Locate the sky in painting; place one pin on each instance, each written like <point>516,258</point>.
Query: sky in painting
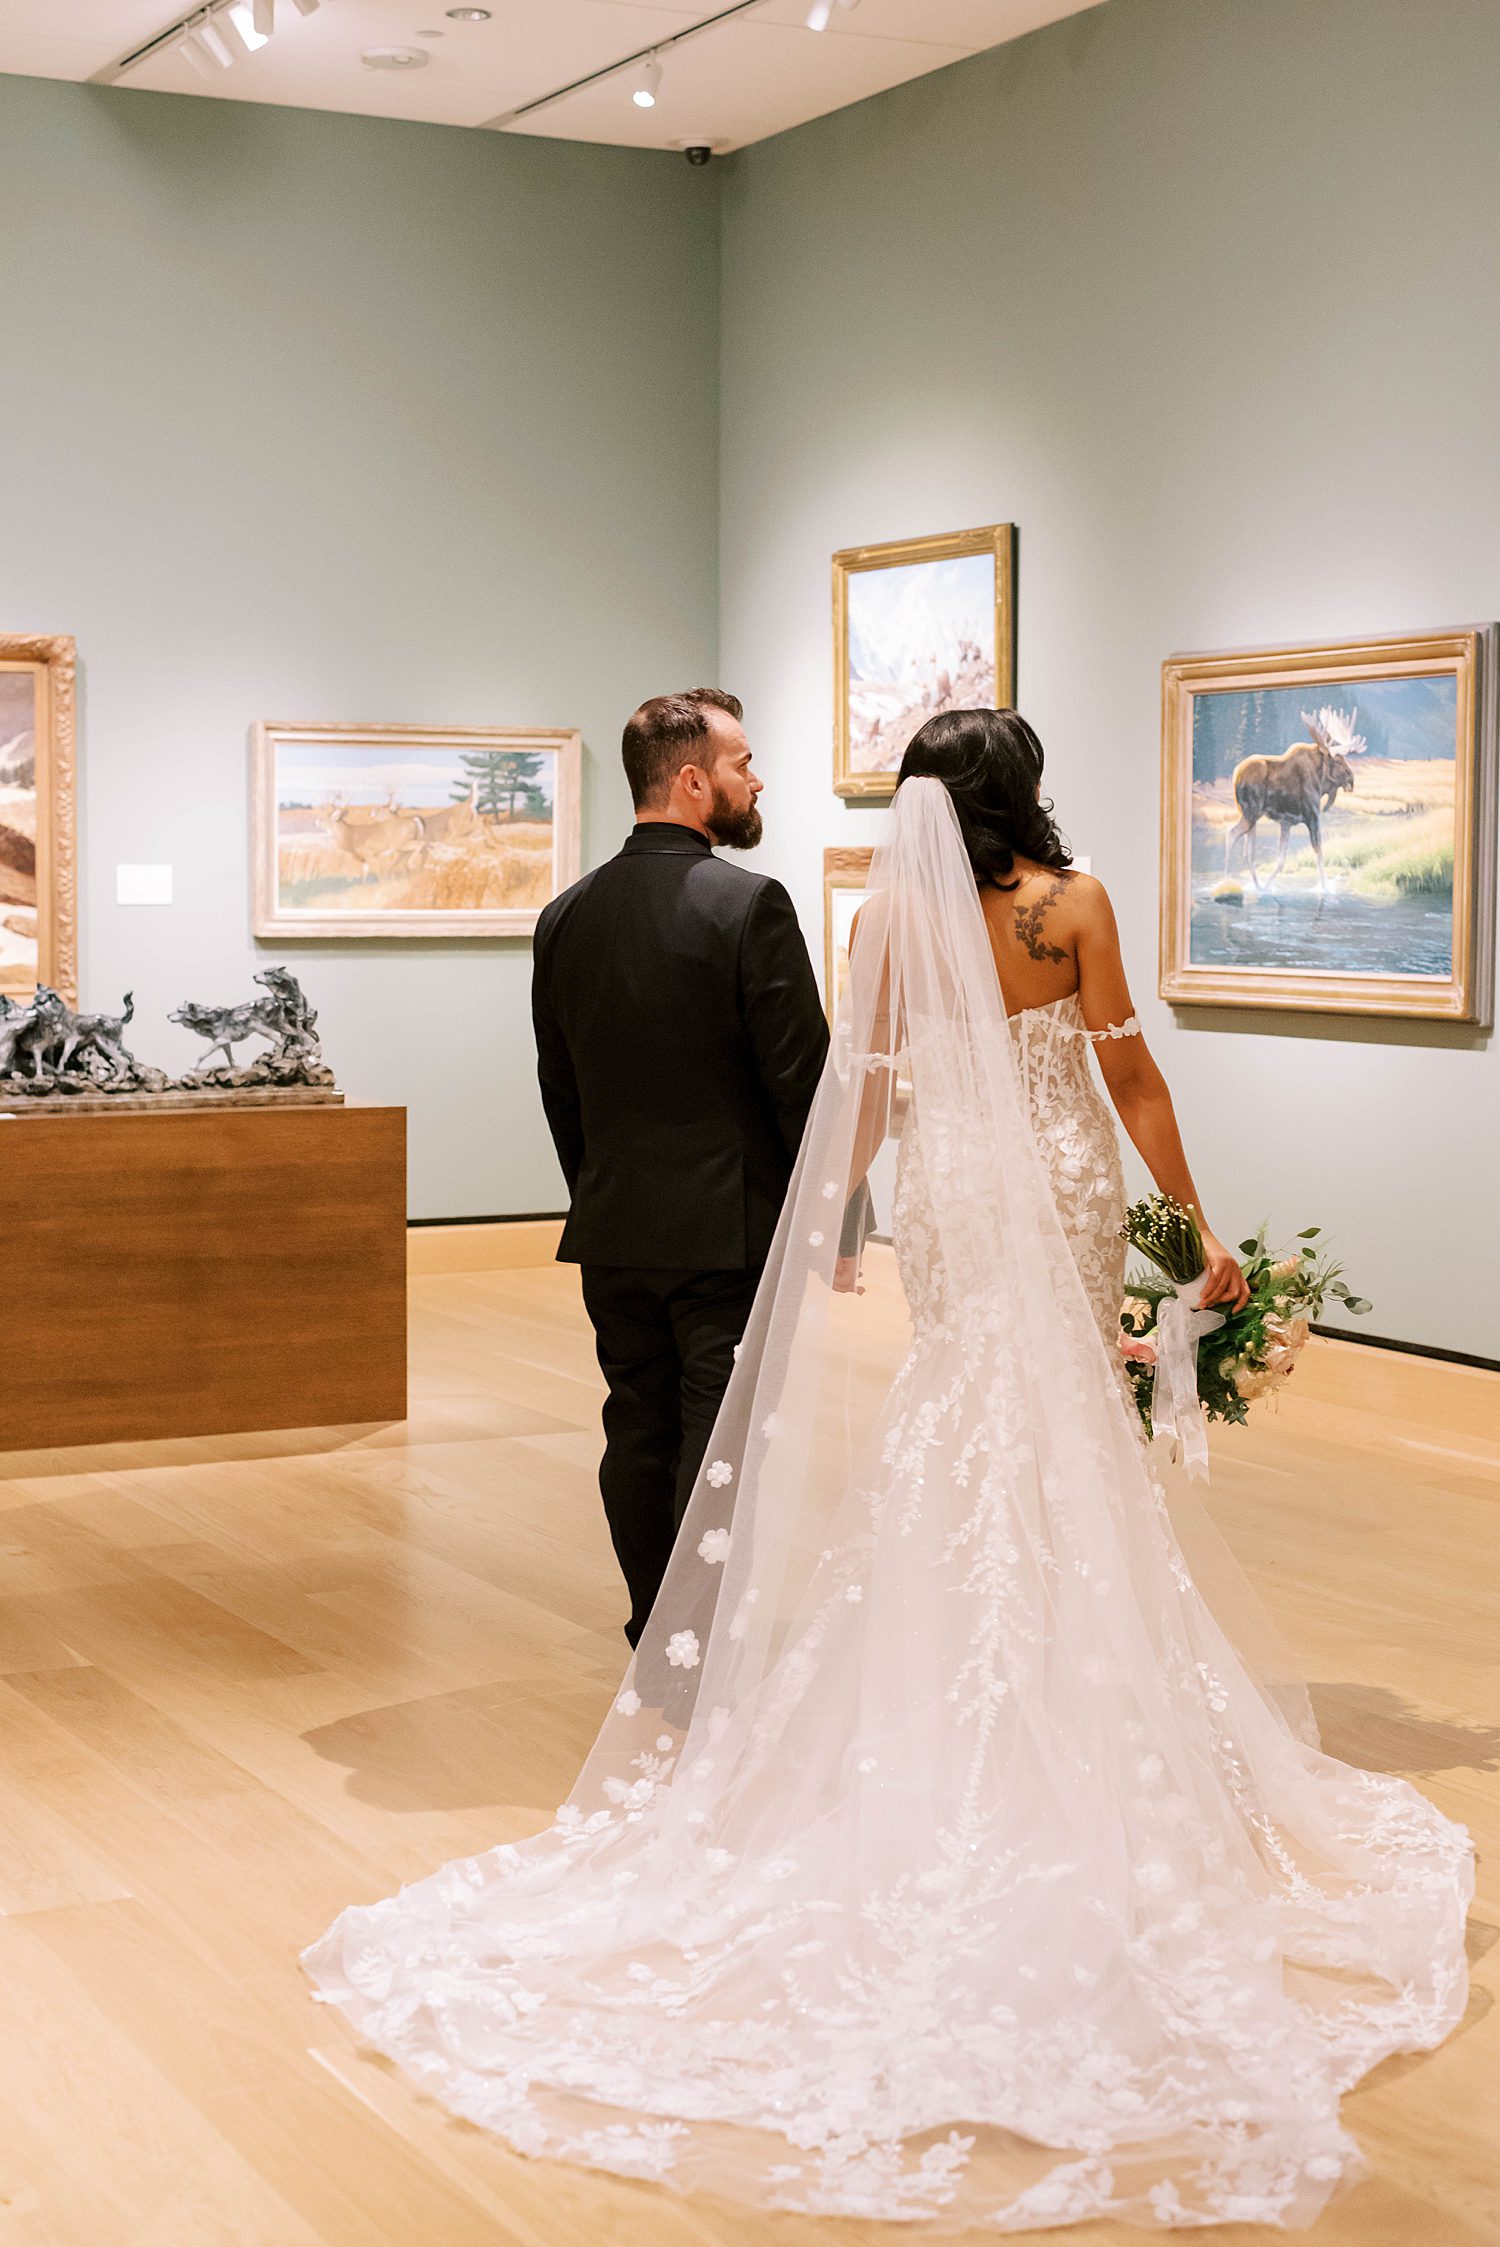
<point>17,710</point>
<point>900,619</point>
<point>1400,718</point>
<point>360,772</point>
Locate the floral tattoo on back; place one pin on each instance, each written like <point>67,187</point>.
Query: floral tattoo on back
<point>1029,919</point>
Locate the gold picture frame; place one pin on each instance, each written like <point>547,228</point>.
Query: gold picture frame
<point>398,850</point>
<point>846,875</point>
<point>38,815</point>
<point>1381,808</point>
<point>934,661</point>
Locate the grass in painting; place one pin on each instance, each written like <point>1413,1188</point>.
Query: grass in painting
<point>1392,837</point>
<point>502,866</point>
<point>1388,850</point>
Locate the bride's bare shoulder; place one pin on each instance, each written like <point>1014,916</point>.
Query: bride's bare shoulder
<point>1089,919</point>
<point>1062,892</point>
<point>1085,894</point>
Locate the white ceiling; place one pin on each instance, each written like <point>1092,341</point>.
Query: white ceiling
<point>737,82</point>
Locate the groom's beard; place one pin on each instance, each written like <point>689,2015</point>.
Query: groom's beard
<point>734,830</point>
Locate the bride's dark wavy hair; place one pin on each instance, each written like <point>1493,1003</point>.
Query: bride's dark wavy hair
<point>990,762</point>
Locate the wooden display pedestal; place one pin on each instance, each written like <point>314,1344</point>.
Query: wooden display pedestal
<point>201,1272</point>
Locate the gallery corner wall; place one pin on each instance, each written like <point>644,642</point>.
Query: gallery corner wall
<point>318,417</point>
<point>1204,295</point>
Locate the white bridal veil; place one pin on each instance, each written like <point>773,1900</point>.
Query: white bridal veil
<point>943,1858</point>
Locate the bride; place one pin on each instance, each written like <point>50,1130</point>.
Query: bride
<point>954,1852</point>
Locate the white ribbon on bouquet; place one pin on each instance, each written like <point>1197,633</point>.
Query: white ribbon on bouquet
<point>1176,1408</point>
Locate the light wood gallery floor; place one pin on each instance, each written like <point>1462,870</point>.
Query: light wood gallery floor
<point>245,1682</point>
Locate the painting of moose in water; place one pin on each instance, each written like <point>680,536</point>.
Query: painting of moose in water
<point>411,831</point>
<point>1325,838</point>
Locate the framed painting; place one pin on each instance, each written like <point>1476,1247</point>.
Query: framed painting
<point>38,851</point>
<point>411,831</point>
<point>924,625</point>
<point>845,876</point>
<point>1328,827</point>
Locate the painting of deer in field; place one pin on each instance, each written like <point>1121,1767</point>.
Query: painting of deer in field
<point>409,831</point>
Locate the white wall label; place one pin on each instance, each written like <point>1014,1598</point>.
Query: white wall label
<point>143,885</point>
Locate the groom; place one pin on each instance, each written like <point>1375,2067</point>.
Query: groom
<point>680,1040</point>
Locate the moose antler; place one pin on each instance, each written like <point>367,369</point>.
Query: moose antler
<point>1332,730</point>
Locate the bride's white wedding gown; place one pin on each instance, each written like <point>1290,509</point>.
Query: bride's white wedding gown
<point>941,1859</point>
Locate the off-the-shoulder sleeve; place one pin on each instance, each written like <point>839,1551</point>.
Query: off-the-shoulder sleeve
<point>1130,1028</point>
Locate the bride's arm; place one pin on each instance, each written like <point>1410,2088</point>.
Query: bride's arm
<point>870,1127</point>
<point>1135,1083</point>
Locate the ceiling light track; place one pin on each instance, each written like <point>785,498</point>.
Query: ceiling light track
<point>651,55</point>
<point>225,30</point>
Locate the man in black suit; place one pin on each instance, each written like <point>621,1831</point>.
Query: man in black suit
<point>680,1040</point>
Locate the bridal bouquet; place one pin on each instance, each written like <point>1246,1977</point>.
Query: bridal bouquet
<point>1241,1355</point>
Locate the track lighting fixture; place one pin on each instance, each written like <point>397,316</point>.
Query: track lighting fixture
<point>228,23</point>
<point>306,7</point>
<point>213,38</point>
<point>263,14</point>
<point>646,85</point>
<point>820,13</point>
<point>244,19</point>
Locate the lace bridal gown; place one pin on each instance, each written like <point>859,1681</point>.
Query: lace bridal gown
<point>941,1859</point>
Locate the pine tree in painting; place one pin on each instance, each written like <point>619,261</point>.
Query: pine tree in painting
<point>498,777</point>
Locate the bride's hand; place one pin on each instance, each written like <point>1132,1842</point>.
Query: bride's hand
<point>1224,1283</point>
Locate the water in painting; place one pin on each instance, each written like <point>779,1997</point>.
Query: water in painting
<point>385,827</point>
<point>1323,827</point>
<point>921,640</point>
<point>18,813</point>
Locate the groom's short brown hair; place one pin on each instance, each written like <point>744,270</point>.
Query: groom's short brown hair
<point>661,737</point>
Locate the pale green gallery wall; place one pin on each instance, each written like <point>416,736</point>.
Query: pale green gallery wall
<point>325,417</point>
<point>1205,296</point>
<point>321,417</point>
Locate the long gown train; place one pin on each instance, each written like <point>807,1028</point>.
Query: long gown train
<point>942,1859</point>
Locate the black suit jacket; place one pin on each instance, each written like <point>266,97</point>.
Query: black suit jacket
<point>680,1040</point>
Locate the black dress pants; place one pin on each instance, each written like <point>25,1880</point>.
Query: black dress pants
<point>666,1344</point>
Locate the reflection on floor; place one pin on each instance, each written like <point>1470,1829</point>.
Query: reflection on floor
<point>245,1682</point>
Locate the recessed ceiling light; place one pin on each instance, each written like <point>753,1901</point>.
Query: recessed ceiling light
<point>429,35</point>
<point>469,15</point>
<point>395,58</point>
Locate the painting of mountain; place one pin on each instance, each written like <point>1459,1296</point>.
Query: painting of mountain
<point>18,831</point>
<point>920,627</point>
